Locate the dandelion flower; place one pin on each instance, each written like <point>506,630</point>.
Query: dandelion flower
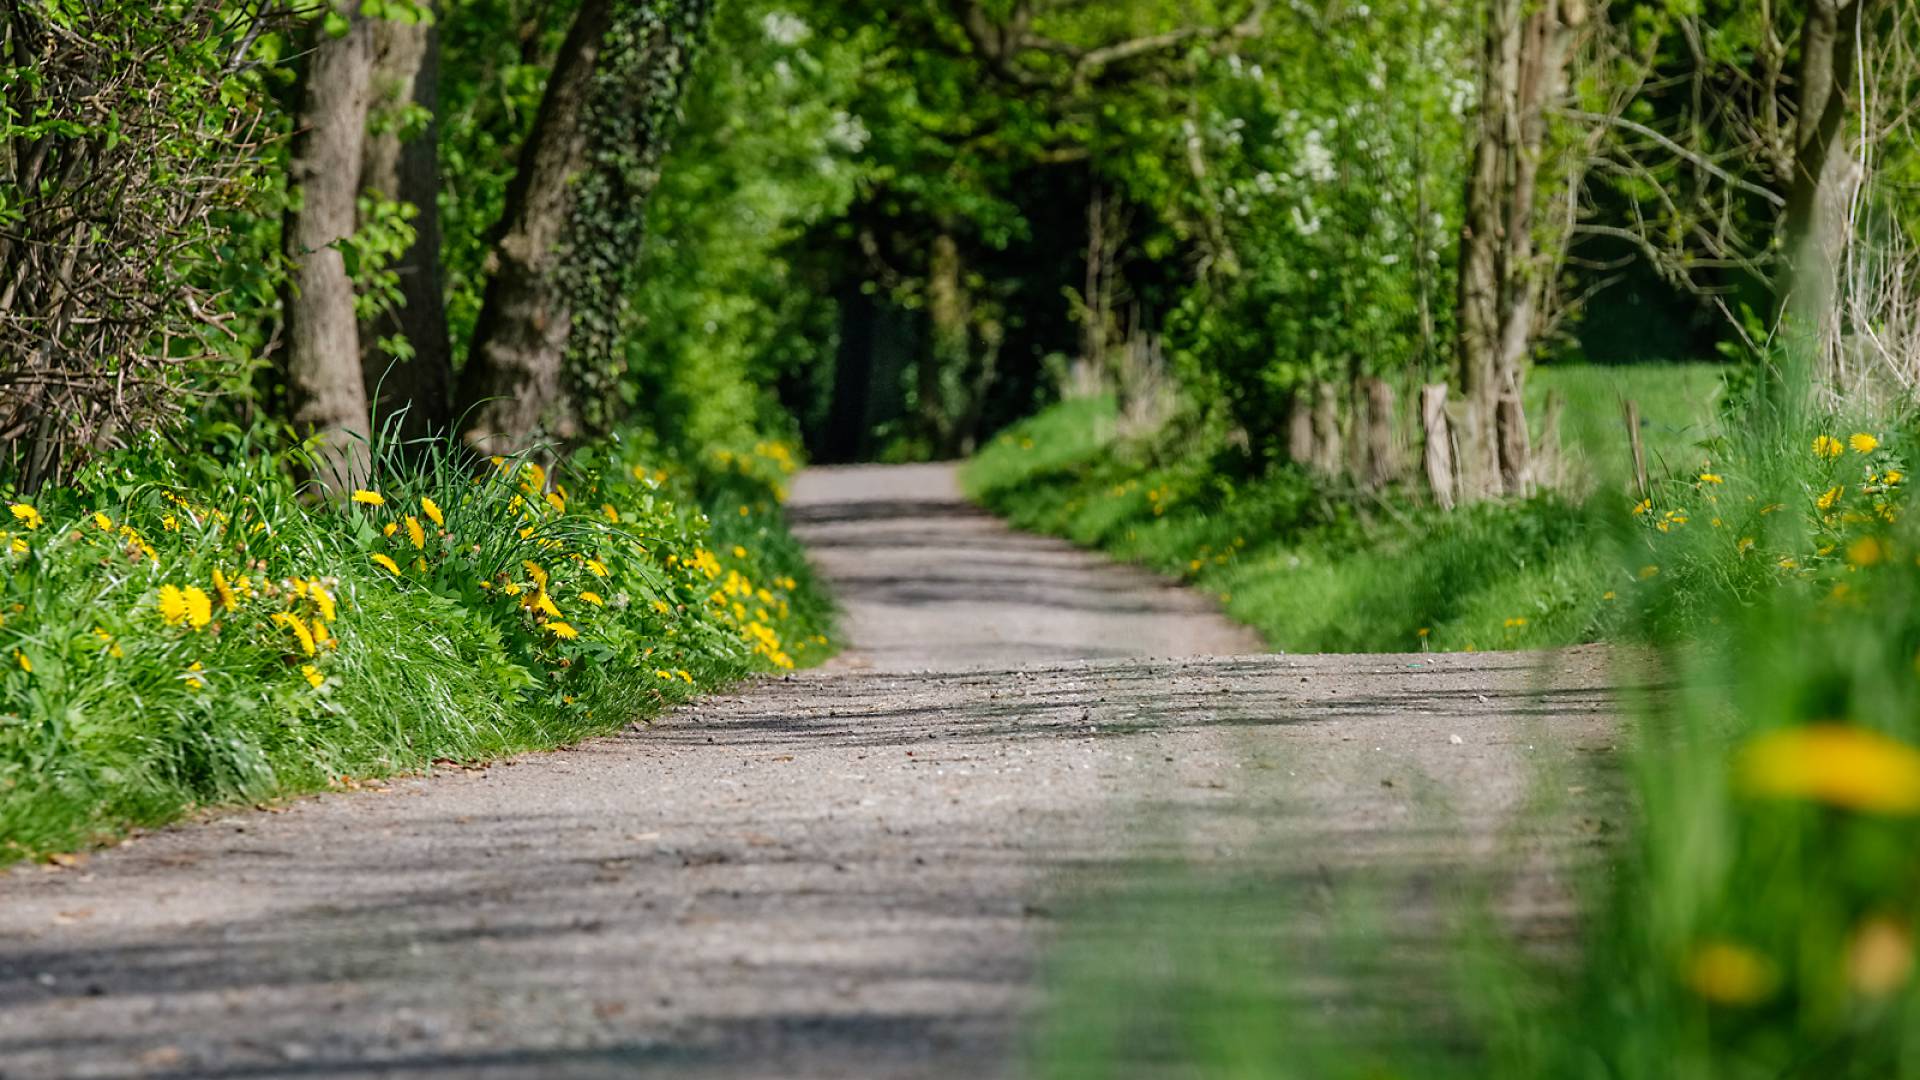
<point>544,604</point>
<point>1643,506</point>
<point>1826,446</point>
<point>1893,476</point>
<point>415,533</point>
<point>192,682</point>
<point>27,515</point>
<point>102,522</point>
<point>20,658</point>
<point>534,572</point>
<point>613,516</point>
<point>199,606</point>
<point>299,627</point>
<point>1711,478</point>
<point>1729,974</point>
<point>313,676</point>
<point>562,631</point>
<point>1837,764</point>
<point>222,590</point>
<point>593,598</point>
<point>173,605</point>
<point>322,600</point>
<point>1830,497</point>
<point>1863,443</point>
<point>557,501</point>
<point>386,563</point>
<point>369,498</point>
<point>389,529</point>
<point>432,510</point>
<point>599,568</point>
<point>1865,551</point>
<point>662,673</point>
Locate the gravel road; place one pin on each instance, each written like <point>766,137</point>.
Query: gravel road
<point>851,872</point>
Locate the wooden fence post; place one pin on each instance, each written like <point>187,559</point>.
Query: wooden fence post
<point>1438,440</point>
<point>1632,410</point>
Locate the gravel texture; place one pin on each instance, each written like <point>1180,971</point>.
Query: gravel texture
<point>848,872</point>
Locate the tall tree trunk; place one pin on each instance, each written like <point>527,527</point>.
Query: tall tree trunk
<point>575,218</point>
<point>510,390</point>
<point>1502,274</point>
<point>323,346</point>
<point>406,73</point>
<point>949,352</point>
<point>1812,223</point>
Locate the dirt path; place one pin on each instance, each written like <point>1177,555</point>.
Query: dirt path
<point>845,873</point>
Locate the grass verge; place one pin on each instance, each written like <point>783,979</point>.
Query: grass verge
<point>179,632</point>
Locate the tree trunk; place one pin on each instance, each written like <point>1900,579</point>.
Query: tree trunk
<point>1382,457</point>
<point>1327,450</point>
<point>1300,426</point>
<point>510,391</point>
<point>949,351</point>
<point>326,397</point>
<point>1813,221</point>
<point>1502,275</point>
<point>406,66</point>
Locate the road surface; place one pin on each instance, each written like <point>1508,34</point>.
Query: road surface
<point>851,872</point>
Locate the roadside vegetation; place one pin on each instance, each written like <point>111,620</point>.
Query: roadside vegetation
<point>189,633</point>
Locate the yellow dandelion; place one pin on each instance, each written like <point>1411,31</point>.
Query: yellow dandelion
<point>1744,545</point>
<point>544,603</point>
<point>1711,478</point>
<point>562,631</point>
<point>1643,506</point>
<point>322,600</point>
<point>557,501</point>
<point>599,568</point>
<point>1865,551</point>
<point>739,552</point>
<point>102,522</point>
<point>1893,476</point>
<point>1863,443</point>
<point>534,572</point>
<point>1829,497</point>
<point>1726,973</point>
<point>193,683</point>
<point>369,498</point>
<point>313,676</point>
<point>1827,446</point>
<point>663,607</point>
<point>299,627</point>
<point>1837,764</point>
<point>27,515</point>
<point>662,673</point>
<point>199,606</point>
<point>173,605</point>
<point>386,563</point>
<point>415,533</point>
<point>593,598</point>
<point>20,658</point>
<point>222,590</point>
<point>432,510</point>
<point>613,516</point>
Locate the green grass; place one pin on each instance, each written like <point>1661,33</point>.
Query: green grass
<point>1679,408</point>
<point>1755,918</point>
<point>181,631</point>
<point>1320,570</point>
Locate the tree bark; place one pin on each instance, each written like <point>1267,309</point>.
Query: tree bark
<point>326,397</point>
<point>1437,446</point>
<point>510,391</point>
<point>1502,274</point>
<point>406,65</point>
<point>949,352</point>
<point>1812,222</point>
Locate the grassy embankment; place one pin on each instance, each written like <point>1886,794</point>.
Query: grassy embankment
<point>1317,570</point>
<point>186,632</point>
